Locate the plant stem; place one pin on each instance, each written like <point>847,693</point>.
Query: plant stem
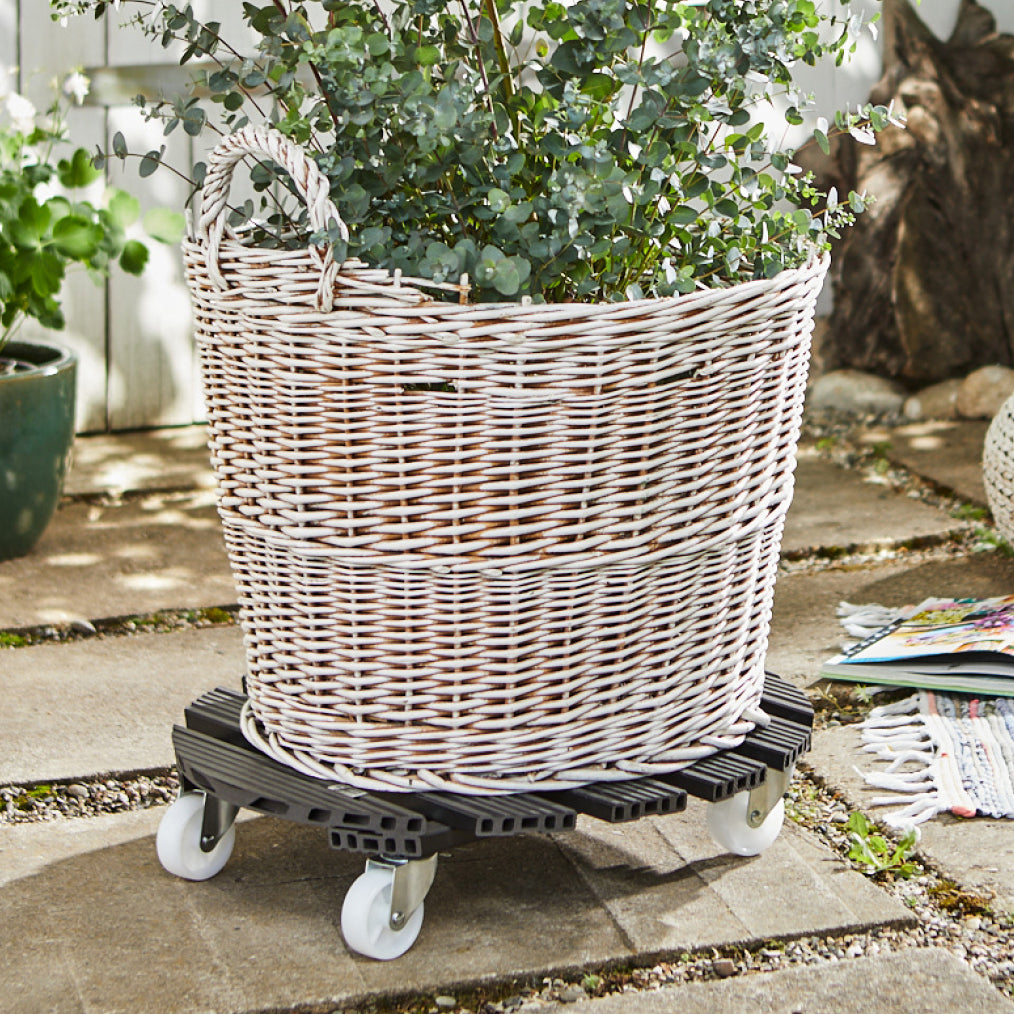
<point>480,65</point>
<point>505,68</point>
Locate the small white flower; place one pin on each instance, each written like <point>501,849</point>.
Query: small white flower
<point>21,112</point>
<point>76,85</point>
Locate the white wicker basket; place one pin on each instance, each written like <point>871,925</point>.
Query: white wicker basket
<point>998,469</point>
<point>492,547</point>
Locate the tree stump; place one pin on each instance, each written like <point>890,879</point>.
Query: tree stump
<point>924,283</point>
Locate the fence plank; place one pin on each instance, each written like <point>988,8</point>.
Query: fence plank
<point>151,353</point>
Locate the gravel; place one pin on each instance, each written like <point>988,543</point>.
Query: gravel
<point>20,804</point>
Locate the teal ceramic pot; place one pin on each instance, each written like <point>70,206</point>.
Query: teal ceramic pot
<point>36,434</point>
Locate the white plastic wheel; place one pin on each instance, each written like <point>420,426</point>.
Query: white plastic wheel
<point>178,841</point>
<point>365,918</point>
<point>727,822</point>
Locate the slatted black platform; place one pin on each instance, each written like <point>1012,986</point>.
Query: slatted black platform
<point>213,755</point>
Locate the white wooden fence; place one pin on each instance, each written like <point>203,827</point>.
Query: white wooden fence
<point>133,334</point>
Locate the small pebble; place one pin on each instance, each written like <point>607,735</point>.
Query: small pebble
<point>571,994</point>
<point>723,967</point>
<point>445,1002</point>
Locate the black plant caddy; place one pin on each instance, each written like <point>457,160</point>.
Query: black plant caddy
<point>402,832</point>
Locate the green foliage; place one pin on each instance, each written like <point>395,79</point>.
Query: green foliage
<point>875,853</point>
<point>969,512</point>
<point>600,149</point>
<point>988,540</point>
<point>42,233</point>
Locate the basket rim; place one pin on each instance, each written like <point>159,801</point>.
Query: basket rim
<point>232,247</point>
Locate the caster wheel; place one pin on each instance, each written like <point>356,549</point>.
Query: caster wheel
<point>365,914</point>
<point>727,822</point>
<point>178,841</point>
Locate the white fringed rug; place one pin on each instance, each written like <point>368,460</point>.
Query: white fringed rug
<point>943,752</point>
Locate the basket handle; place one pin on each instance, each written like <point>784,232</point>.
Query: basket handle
<point>312,185</point>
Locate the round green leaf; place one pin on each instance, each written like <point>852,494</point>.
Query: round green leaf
<point>134,257</point>
<point>76,237</point>
<point>164,225</point>
<point>124,207</point>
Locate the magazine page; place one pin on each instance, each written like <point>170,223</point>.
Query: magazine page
<point>943,627</point>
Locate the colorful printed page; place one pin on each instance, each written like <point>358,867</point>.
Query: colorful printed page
<point>942,627</point>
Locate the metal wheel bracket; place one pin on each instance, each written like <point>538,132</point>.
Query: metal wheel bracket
<point>217,818</point>
<point>764,797</point>
<point>412,879</point>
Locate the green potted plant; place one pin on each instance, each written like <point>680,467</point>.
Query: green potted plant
<point>45,230</point>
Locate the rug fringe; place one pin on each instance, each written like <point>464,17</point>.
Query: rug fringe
<point>942,753</point>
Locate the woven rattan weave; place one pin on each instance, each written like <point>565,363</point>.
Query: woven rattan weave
<point>492,547</point>
<point>998,469</point>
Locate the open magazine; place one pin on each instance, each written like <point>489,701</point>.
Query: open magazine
<point>955,645</point>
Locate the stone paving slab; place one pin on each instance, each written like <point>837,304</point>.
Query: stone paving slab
<point>172,458</point>
<point>106,704</point>
<point>977,853</point>
<point>929,981</point>
<point>669,887</point>
<point>947,451</point>
<point>833,507</point>
<point>265,934</point>
<point>160,551</point>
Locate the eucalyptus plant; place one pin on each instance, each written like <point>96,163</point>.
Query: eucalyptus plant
<point>597,149</point>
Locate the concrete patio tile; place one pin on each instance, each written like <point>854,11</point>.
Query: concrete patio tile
<point>947,451</point>
<point>133,939</point>
<point>499,908</point>
<point>835,507</point>
<point>265,933</point>
<point>976,853</point>
<point>170,458</point>
<point>928,981</point>
<point>795,887</point>
<point>88,898</point>
<point>160,551</point>
<point>668,886</point>
<point>106,704</point>
<point>658,900</point>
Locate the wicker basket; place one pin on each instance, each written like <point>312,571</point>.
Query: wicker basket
<point>488,547</point>
<point>998,469</point>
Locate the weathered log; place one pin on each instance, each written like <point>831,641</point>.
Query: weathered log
<point>924,284</point>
